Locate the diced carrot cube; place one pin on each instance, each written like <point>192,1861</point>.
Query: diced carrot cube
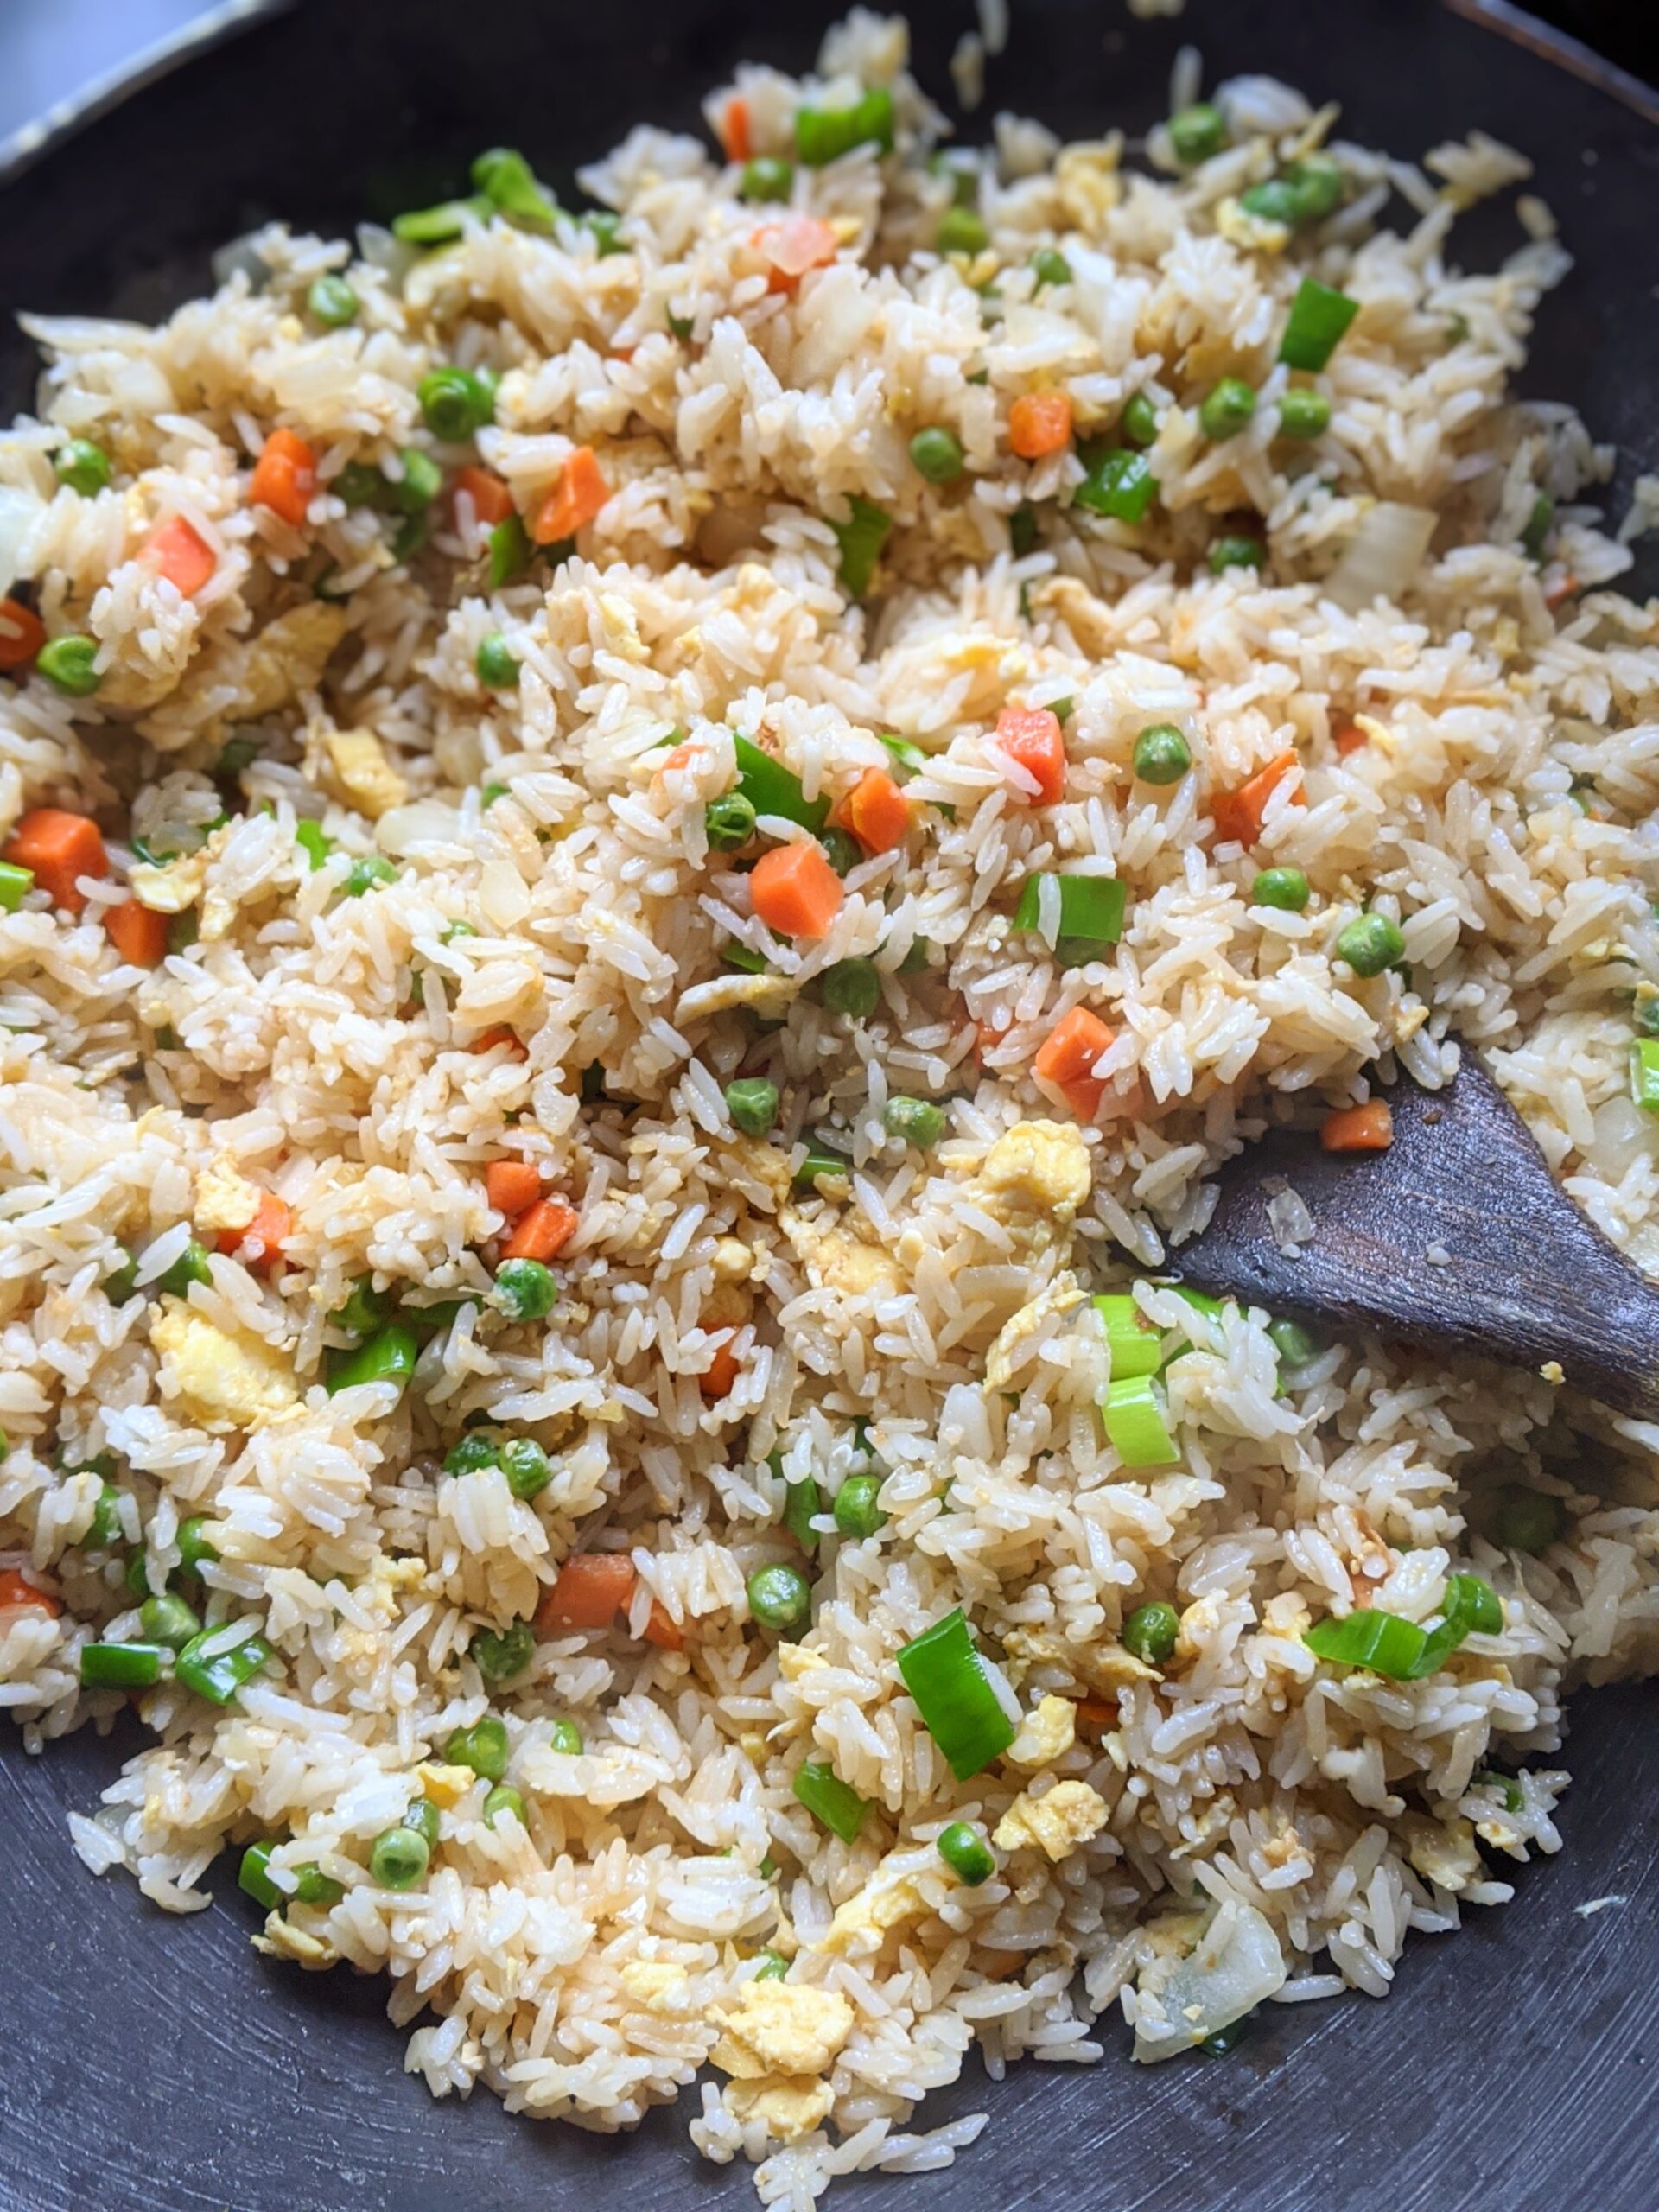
<point>1039,422</point>
<point>16,1590</point>
<point>574,501</point>
<point>180,553</point>
<point>1348,737</point>
<point>876,812</point>
<point>592,1589</point>
<point>1369,1128</point>
<point>260,1244</point>
<point>61,848</point>
<point>735,130</point>
<point>21,633</point>
<point>284,476</point>
<point>720,1373</point>
<point>542,1232</point>
<point>487,1040</point>
<point>1239,815</point>
<point>794,890</point>
<point>1066,1058</point>
<point>1032,737</point>
<point>491,501</point>
<point>794,245</point>
<point>662,1630</point>
<point>136,934</point>
<point>512,1185</point>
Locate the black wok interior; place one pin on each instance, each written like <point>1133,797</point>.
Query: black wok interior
<point>155,2064</point>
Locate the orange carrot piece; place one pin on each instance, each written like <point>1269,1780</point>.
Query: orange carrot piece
<point>181,554</point>
<point>1095,1715</point>
<point>260,1244</point>
<point>1066,1058</point>
<point>1032,737</point>
<point>794,890</point>
<point>680,756</point>
<point>1369,1128</point>
<point>136,934</point>
<point>734,131</point>
<point>487,1040</point>
<point>512,1185</point>
<point>1557,596</point>
<point>491,501</point>
<point>662,1630</point>
<point>592,1589</point>
<point>21,633</point>
<point>1348,737</point>
<point>876,812</point>
<point>1238,815</point>
<point>792,246</point>
<point>60,848</point>
<point>721,1372</point>
<point>540,1231</point>
<point>1039,422</point>
<point>574,501</point>
<point>284,476</point>
<point>15,1590</point>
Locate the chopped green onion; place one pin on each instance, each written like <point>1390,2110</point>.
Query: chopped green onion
<point>1162,755</point>
<point>16,883</point>
<point>822,1160</point>
<point>1506,1785</point>
<point>1318,319</point>
<point>1232,551</point>
<point>510,551</point>
<point>218,1677</point>
<point>740,956</point>
<point>1151,1631</point>
<point>565,1738</point>
<point>1091,907</point>
<point>252,1879</point>
<point>1304,414</point>
<point>1136,1346</point>
<point>966,1853</point>
<point>936,454</point>
<point>1050,266</point>
<point>1537,526</point>
<point>752,1101</point>
<point>773,1967</point>
<point>829,1799</point>
<point>802,1500</point>
<point>1121,485</point>
<point>483,1747</point>
<point>168,1619</point>
<point>1135,1424</point>
<point>824,134</point>
<point>365,1308</point>
<point>962,230</point>
<point>916,1121</point>
<point>368,874</point>
<point>857,1514</point>
<point>908,759</point>
<point>1287,888</point>
<point>438,226</point>
<point>1195,132</point>
<point>1227,409</point>
<point>604,226</point>
<point>399,1857</point>
<point>770,788</point>
<point>765,178</point>
<point>500,1654</point>
<point>121,1666</point>
<point>943,1671</point>
<point>1390,1645</point>
<point>860,538</point>
<point>1369,944</point>
<point>1295,1344</point>
<point>331,302</point>
<point>82,466</point>
<point>850,986</point>
<point>388,1355</point>
<point>314,842</point>
<point>422,1814</point>
<point>196,1548</point>
<point>525,1290</point>
<point>509,182</point>
<point>728,823</point>
<point>779,1596</point>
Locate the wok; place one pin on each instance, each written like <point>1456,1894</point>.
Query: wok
<point>155,2064</point>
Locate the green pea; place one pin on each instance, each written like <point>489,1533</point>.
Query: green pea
<point>525,1290</point>
<point>918,1121</point>
<point>1162,755</point>
<point>483,1747</point>
<point>500,1654</point>
<point>399,1857</point>
<point>70,663</point>
<point>852,987</point>
<point>966,1853</point>
<point>1235,552</point>
<point>1304,414</point>
<point>1227,409</point>
<point>1295,1344</point>
<point>503,1798</point>
<point>368,873</point>
<point>842,849</point>
<point>496,663</point>
<point>728,821</point>
<point>332,302</point>
<point>937,455</point>
<point>480,1448</point>
<point>456,403</point>
<point>1528,1520</point>
<point>191,1266</point>
<point>313,1886</point>
<point>420,483</point>
<point>1196,133</point>
<point>566,1738</point>
<point>1285,888</point>
<point>961,230</point>
<point>765,178</point>
<point>1138,424</point>
<point>1150,1631</point>
<point>752,1101</point>
<point>360,485</point>
<point>168,1620</point>
<point>82,466</point>
<point>779,1596</point>
<point>122,1282</point>
<point>1369,944</point>
<point>1050,266</point>
<point>857,1514</point>
<point>527,1467</point>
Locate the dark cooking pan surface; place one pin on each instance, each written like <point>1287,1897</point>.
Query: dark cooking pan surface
<point>155,2064</point>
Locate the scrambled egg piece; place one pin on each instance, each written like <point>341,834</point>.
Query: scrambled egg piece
<point>361,774</point>
<point>889,1897</point>
<point>732,1260</point>
<point>790,2109</point>
<point>168,887</point>
<point>795,1660</point>
<point>444,1784</point>
<point>282,1939</point>
<point>1253,233</point>
<point>1045,1733</point>
<point>224,1381</point>
<point>765,993</point>
<point>1061,1295</point>
<point>225,1198</point>
<point>1056,1824</point>
<point>1089,620</point>
<point>1443,1851</point>
<point>781,2027</point>
<point>653,1983</point>
<point>1035,1168</point>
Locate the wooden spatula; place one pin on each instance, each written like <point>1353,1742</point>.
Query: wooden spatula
<point>1520,1274</point>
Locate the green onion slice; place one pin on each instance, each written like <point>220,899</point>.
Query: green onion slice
<point>824,134</point>
<point>801,1501</point>
<point>218,1677</point>
<point>943,1671</point>
<point>1135,1344</point>
<point>1136,1425</point>
<point>1390,1645</point>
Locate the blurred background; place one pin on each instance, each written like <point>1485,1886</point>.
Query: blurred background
<point>53,50</point>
